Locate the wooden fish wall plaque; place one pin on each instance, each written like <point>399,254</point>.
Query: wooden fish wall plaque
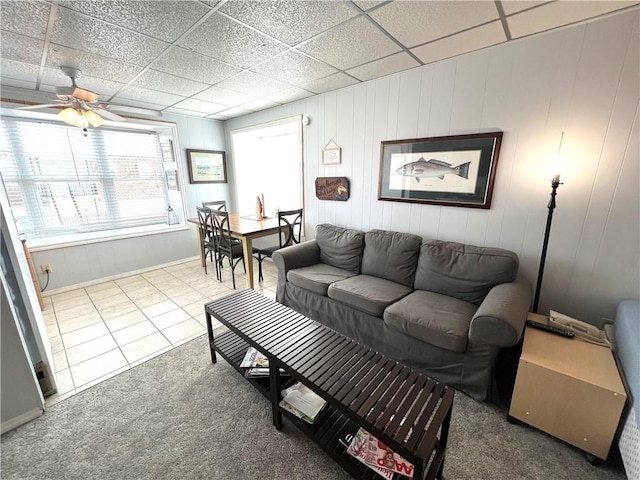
<point>332,188</point>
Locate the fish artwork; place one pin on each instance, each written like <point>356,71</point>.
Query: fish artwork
<point>432,168</point>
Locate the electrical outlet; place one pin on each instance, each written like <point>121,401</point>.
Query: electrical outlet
<point>46,268</point>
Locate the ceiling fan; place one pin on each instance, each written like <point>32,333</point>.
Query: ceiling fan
<point>82,106</point>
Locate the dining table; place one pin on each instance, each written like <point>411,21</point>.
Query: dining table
<point>245,228</point>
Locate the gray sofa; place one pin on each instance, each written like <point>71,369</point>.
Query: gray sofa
<point>443,308</point>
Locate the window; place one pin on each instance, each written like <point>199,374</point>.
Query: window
<point>63,182</point>
<point>268,161</point>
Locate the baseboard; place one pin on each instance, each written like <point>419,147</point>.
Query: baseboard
<point>20,420</point>
<point>75,286</point>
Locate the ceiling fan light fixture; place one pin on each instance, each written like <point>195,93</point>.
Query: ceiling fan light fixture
<point>94,119</point>
<point>80,118</point>
<point>68,115</point>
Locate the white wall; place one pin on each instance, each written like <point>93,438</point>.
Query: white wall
<point>83,263</point>
<point>583,80</point>
<point>20,396</point>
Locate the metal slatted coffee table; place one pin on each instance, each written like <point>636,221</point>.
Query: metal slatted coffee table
<point>406,410</point>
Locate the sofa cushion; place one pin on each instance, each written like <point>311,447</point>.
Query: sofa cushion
<point>463,271</point>
<point>317,278</point>
<point>367,294</point>
<point>340,247</point>
<point>391,255</point>
<point>436,319</point>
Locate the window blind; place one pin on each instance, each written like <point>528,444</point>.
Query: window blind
<point>62,181</point>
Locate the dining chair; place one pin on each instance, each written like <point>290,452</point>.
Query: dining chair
<point>216,204</point>
<point>226,247</point>
<point>208,239</point>
<point>289,232</point>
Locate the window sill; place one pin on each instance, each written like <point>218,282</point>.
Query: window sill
<point>72,240</point>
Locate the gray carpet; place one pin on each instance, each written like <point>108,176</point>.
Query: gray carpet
<point>180,417</point>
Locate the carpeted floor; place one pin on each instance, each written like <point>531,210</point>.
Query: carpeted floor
<point>180,417</point>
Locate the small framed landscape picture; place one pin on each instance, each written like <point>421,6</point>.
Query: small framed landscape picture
<point>455,170</point>
<point>207,166</point>
<point>172,179</point>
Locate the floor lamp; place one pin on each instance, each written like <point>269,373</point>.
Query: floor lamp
<point>555,183</point>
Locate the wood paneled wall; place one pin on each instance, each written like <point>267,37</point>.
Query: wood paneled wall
<point>582,80</point>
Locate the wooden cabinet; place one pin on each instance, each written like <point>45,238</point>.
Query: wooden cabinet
<point>568,388</point>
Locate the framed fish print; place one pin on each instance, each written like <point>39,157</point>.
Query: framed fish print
<point>455,170</point>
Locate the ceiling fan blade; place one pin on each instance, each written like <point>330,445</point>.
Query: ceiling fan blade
<point>108,115</point>
<point>138,110</point>
<point>46,105</point>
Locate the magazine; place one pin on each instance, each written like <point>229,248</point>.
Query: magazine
<point>359,449</point>
<point>253,358</point>
<point>371,451</point>
<point>303,400</point>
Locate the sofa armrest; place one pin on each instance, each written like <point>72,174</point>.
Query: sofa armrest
<point>501,317</point>
<point>295,256</point>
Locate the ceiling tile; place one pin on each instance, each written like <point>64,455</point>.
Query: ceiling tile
<point>233,112</point>
<point>73,29</point>
<point>259,104</point>
<point>224,96</point>
<point>365,43</point>
<point>415,23</point>
<point>253,84</point>
<point>556,14</point>
<point>294,68</point>
<point>29,18</point>
<point>134,103</point>
<point>385,66</point>
<point>289,95</point>
<point>464,42</point>
<point>513,6</point>
<point>165,82</point>
<point>12,82</point>
<point>189,64</point>
<point>290,21</point>
<point>91,64</point>
<point>155,19</point>
<point>20,48</point>
<point>25,72</point>
<point>329,83</point>
<point>188,113</point>
<point>227,40</point>
<point>368,4</point>
<point>146,95</point>
<point>200,106</point>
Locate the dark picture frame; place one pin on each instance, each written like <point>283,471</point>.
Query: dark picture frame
<point>456,170</point>
<point>207,166</point>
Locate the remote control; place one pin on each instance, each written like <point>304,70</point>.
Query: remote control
<point>550,329</point>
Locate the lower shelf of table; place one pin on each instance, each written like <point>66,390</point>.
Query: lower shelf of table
<point>330,426</point>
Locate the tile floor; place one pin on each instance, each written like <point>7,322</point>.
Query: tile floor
<point>101,330</point>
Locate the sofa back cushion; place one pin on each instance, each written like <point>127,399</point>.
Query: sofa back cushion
<point>340,247</point>
<point>391,255</point>
<point>463,271</point>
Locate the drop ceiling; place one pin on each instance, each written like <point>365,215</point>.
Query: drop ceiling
<point>229,58</point>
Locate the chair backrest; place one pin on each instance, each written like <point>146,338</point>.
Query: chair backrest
<point>204,218</point>
<point>289,226</point>
<point>216,204</point>
<point>221,230</point>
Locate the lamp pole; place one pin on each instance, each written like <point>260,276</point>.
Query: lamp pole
<point>555,183</point>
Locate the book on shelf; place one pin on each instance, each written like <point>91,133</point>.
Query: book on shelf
<point>254,358</point>
<point>261,372</point>
<point>376,455</point>
<point>302,402</point>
